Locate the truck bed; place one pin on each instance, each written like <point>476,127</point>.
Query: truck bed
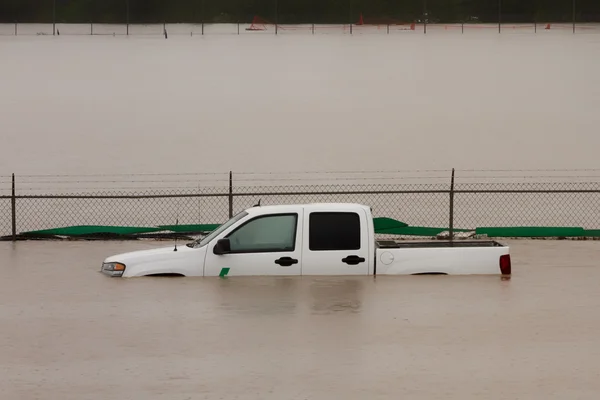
<point>458,257</point>
<point>392,244</point>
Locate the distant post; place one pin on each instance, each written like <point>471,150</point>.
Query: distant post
<point>54,17</point>
<point>574,15</point>
<point>127,15</point>
<point>499,16</point>
<point>424,16</point>
<point>350,14</point>
<point>312,15</point>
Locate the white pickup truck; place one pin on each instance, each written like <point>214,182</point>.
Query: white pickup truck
<point>309,239</point>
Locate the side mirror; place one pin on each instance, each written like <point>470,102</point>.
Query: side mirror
<point>223,246</point>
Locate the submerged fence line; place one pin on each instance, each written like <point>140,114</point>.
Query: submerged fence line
<point>200,29</point>
<point>276,15</point>
<point>460,200</point>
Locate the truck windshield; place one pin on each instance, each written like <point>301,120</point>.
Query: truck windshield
<point>204,241</point>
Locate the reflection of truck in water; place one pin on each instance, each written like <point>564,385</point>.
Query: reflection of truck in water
<point>310,239</point>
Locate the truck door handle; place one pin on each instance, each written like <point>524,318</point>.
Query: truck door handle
<point>286,261</point>
<point>353,260</point>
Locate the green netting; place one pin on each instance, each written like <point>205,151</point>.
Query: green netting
<point>531,231</point>
<point>418,231</point>
<point>383,223</point>
<point>82,230</point>
<point>190,228</point>
<point>382,226</point>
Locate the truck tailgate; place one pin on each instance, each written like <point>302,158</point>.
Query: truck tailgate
<point>440,259</point>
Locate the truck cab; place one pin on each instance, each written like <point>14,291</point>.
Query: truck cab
<point>309,239</point>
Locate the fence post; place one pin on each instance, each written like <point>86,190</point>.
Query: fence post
<point>451,222</point>
<point>574,11</point>
<point>276,15</point>
<point>54,18</point>
<point>16,28</point>
<point>499,16</point>
<point>350,14</point>
<point>424,16</point>
<point>13,203</point>
<point>230,194</point>
<point>127,15</point>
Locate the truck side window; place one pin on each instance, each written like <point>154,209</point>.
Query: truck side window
<point>269,233</point>
<point>334,231</point>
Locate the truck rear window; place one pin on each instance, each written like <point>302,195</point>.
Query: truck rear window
<point>334,231</point>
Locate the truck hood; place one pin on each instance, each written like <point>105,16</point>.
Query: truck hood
<point>185,261</point>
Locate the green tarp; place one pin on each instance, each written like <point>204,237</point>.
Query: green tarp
<point>531,231</point>
<point>417,231</point>
<point>84,230</point>
<point>189,228</point>
<point>383,223</point>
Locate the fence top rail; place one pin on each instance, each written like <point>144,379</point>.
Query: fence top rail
<point>298,193</point>
<point>303,182</point>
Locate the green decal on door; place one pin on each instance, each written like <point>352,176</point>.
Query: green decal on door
<point>224,272</point>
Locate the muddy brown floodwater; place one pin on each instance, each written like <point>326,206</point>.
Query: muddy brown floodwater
<point>69,332</point>
<point>215,103</point>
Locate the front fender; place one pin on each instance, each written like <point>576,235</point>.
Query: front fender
<point>186,262</point>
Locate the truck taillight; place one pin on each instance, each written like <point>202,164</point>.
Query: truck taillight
<point>505,267</point>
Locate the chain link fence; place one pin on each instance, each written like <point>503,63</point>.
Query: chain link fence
<point>5,205</point>
<point>553,203</point>
<point>197,17</point>
<point>527,204</point>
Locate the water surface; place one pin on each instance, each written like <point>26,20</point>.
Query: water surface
<point>69,332</point>
<point>102,104</point>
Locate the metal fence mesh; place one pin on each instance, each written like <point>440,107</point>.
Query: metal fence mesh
<point>418,205</point>
<point>5,216</point>
<point>527,204</point>
<point>146,210</point>
<point>130,203</point>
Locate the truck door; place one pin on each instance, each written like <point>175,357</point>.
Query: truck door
<point>268,244</point>
<point>335,243</point>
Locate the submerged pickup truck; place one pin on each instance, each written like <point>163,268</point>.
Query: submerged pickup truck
<point>309,239</point>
